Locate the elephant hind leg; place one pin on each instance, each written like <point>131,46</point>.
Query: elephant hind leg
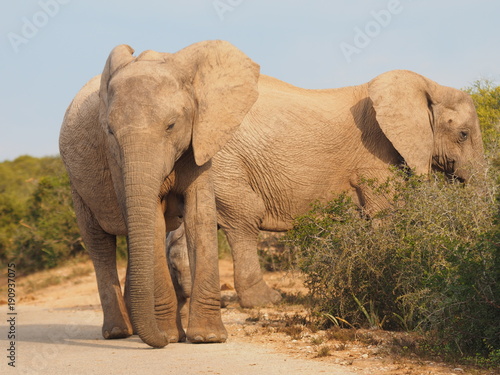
<point>102,250</point>
<point>248,281</point>
<point>240,222</point>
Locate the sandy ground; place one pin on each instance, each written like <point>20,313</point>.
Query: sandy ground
<point>58,331</point>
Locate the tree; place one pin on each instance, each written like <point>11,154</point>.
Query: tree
<point>37,224</point>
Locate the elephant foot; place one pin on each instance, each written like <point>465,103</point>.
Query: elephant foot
<point>258,295</point>
<point>116,332</point>
<point>174,332</point>
<point>176,335</point>
<point>207,333</point>
<point>211,337</point>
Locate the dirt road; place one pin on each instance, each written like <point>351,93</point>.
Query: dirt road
<point>68,341</point>
<point>58,331</point>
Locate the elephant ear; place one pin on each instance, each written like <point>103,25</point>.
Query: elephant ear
<point>403,104</point>
<point>119,57</point>
<point>224,82</point>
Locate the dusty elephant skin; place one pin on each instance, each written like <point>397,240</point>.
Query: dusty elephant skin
<point>297,146</point>
<point>137,143</point>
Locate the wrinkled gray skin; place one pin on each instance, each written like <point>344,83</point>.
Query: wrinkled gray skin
<point>297,146</point>
<point>137,143</point>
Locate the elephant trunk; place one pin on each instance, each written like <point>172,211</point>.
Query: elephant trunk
<point>473,167</point>
<point>142,181</point>
<point>479,161</point>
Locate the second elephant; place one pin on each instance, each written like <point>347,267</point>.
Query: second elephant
<point>297,146</point>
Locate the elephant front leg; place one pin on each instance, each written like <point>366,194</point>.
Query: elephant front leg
<point>101,247</point>
<point>205,321</point>
<point>116,319</point>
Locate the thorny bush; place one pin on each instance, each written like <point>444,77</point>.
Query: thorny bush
<point>430,262</point>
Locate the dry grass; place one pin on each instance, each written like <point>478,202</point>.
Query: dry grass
<point>73,271</point>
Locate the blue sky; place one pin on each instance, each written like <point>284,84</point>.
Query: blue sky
<point>50,48</point>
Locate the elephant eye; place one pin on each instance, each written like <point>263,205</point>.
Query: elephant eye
<point>464,135</point>
<point>171,126</point>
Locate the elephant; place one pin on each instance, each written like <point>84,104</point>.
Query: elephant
<point>178,264</point>
<point>138,142</point>
<point>298,146</point>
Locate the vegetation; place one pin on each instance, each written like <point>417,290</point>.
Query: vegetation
<point>486,97</point>
<point>429,263</point>
<point>37,223</point>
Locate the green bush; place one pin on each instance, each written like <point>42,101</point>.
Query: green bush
<point>431,262</point>
<point>38,226</point>
<point>48,234</point>
<point>486,97</point>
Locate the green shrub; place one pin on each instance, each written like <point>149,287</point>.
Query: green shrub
<point>37,224</point>
<point>430,262</point>
<point>486,97</point>
<point>48,234</point>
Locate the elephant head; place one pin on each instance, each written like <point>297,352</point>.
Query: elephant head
<point>430,125</point>
<point>154,109</point>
